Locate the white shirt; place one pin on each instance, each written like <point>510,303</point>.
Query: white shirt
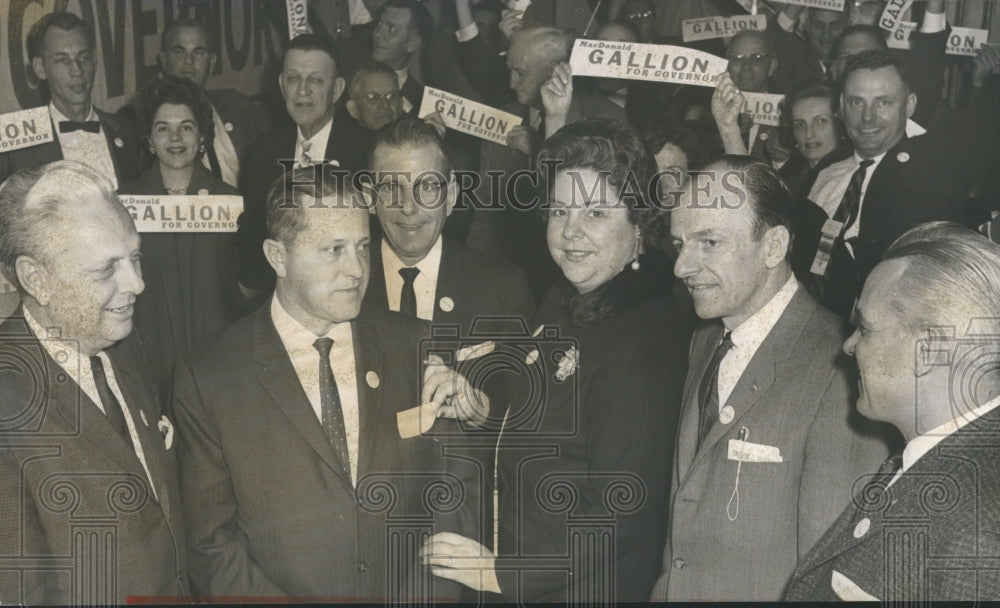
<point>920,445</point>
<point>424,285</point>
<point>298,342</point>
<point>77,367</point>
<point>225,152</point>
<point>748,336</point>
<point>85,147</point>
<point>317,145</point>
<point>358,12</point>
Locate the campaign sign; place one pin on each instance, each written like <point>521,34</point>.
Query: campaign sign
<point>893,14</point>
<point>830,5</point>
<point>765,108</point>
<point>965,41</point>
<point>25,128</point>
<point>721,27</point>
<point>198,213</point>
<point>298,23</point>
<point>653,62</point>
<point>467,116</point>
<point>899,38</point>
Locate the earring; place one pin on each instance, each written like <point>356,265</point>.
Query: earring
<point>635,263</point>
<point>152,150</point>
<point>201,149</point>
<point>638,250</point>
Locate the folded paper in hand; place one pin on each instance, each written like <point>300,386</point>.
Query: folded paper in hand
<point>416,420</point>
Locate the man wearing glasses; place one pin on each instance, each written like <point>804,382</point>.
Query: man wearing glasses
<point>373,96</point>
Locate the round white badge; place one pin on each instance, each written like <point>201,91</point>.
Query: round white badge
<point>532,357</point>
<point>228,126</point>
<point>447,304</point>
<point>372,379</point>
<point>119,143</point>
<point>903,157</point>
<point>862,528</point>
<point>727,414</point>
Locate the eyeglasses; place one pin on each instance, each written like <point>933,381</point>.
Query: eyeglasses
<point>426,191</point>
<point>756,59</point>
<point>638,15</point>
<point>376,98</point>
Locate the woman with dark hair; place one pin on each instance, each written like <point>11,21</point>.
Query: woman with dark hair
<point>809,115</point>
<point>187,275</point>
<point>585,450</point>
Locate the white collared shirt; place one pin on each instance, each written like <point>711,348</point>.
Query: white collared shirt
<point>88,148</point>
<point>424,285</point>
<point>77,367</point>
<point>749,335</point>
<point>298,342</point>
<point>225,152</point>
<point>920,445</point>
<point>317,148</point>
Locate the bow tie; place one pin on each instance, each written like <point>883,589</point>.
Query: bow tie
<point>68,126</point>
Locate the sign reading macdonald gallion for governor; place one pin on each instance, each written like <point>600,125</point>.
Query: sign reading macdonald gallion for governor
<point>653,62</point>
<point>468,116</point>
<point>706,28</point>
<point>197,213</point>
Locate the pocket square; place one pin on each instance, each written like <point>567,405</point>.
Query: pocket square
<point>167,431</point>
<point>848,590</point>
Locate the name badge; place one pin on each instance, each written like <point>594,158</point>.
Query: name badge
<point>744,451</point>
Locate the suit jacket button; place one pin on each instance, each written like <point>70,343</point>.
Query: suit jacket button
<point>362,567</point>
<point>679,563</point>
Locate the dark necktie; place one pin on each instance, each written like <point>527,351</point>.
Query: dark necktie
<point>708,392</point>
<point>847,210</point>
<point>407,296</point>
<point>333,416</point>
<point>68,126</point>
<point>112,409</point>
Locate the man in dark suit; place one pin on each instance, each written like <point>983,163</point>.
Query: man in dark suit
<point>296,482</point>
<point>892,182</point>
<point>401,27</point>
<point>451,283</point>
<point>88,490</point>
<point>766,454</point>
<point>61,49</point>
<point>925,528</point>
<point>310,84</point>
<point>188,50</point>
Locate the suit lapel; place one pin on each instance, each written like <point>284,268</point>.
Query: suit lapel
<point>371,378</point>
<point>687,434</point>
<point>449,284</point>
<point>376,296</point>
<point>278,378</point>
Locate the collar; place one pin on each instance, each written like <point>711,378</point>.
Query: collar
<point>296,337</point>
<point>402,75</point>
<point>319,140</point>
<point>58,116</point>
<point>877,159</point>
<point>759,325</point>
<point>921,444</point>
<point>428,266</point>
<point>63,352</point>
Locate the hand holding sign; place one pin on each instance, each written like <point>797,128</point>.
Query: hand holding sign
<point>510,22</point>
<point>523,139</point>
<point>987,62</point>
<point>437,121</point>
<point>452,393</point>
<point>727,101</point>
<point>557,96</point>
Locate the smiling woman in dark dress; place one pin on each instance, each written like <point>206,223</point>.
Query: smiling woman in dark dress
<point>188,276</point>
<point>585,452</point>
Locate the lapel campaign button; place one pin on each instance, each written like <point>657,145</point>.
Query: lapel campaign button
<point>119,143</point>
<point>727,414</point>
<point>447,304</point>
<point>862,528</point>
<point>532,357</point>
<point>903,157</point>
<point>228,126</point>
<point>372,379</point>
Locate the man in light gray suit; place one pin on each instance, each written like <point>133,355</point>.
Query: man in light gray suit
<point>766,453</point>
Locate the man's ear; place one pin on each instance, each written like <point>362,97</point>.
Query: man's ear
<point>352,109</point>
<point>281,86</point>
<point>452,194</point>
<point>413,43</point>
<point>778,239</point>
<point>338,89</point>
<point>34,279</point>
<point>774,66</point>
<point>39,67</point>
<point>161,60</point>
<point>275,253</point>
<point>911,104</point>
<point>211,63</point>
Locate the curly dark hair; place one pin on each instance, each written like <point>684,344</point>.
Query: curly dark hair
<point>180,91</point>
<point>606,146</point>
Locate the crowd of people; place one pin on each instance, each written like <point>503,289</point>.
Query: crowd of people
<point>649,348</point>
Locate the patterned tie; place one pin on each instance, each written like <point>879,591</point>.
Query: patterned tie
<point>333,417</point>
<point>306,160</point>
<point>408,297</point>
<point>847,210</point>
<point>708,390</point>
<point>112,409</point>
